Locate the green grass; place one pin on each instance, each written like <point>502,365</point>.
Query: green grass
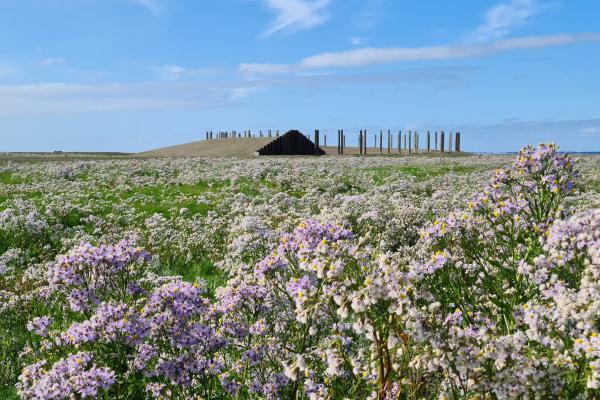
<point>8,393</point>
<point>7,178</point>
<point>419,172</point>
<point>162,199</point>
<point>594,186</point>
<point>200,268</point>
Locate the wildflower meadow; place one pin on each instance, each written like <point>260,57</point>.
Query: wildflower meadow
<point>425,277</point>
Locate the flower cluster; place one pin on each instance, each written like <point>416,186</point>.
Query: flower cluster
<point>86,273</point>
<point>303,278</point>
<point>74,376</point>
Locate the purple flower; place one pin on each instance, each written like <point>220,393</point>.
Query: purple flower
<point>40,325</point>
<point>70,377</point>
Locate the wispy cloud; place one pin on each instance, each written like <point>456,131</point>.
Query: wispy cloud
<point>504,17</point>
<point>156,7</point>
<point>67,99</point>
<point>6,71</point>
<point>357,41</point>
<point>373,56</point>
<point>251,69</point>
<point>52,61</point>
<point>590,130</point>
<point>295,15</point>
<point>370,14</point>
<point>176,72</point>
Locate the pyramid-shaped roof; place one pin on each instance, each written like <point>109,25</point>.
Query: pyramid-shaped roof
<point>291,143</point>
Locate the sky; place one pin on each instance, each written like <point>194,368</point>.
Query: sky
<point>132,75</point>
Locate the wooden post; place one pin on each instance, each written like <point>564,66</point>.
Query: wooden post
<point>399,142</point>
<point>316,141</point>
<point>416,139</point>
<point>389,141</point>
<point>457,142</point>
<point>405,143</point>
<point>435,142</point>
<point>360,142</point>
<point>365,141</point>
<point>442,144</point>
<point>409,142</point>
<point>325,140</point>
<point>450,142</point>
<point>375,142</point>
<point>343,141</point>
<point>428,142</point>
<point>380,142</point>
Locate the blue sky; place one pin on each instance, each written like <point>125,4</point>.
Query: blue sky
<point>131,75</point>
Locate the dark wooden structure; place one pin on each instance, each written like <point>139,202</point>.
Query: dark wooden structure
<point>291,143</point>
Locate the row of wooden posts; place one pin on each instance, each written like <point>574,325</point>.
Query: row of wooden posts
<point>410,144</point>
<point>236,134</point>
<point>413,146</point>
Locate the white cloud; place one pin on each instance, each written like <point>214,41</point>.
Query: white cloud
<point>296,14</point>
<point>52,61</point>
<point>154,6</point>
<point>502,18</point>
<point>6,71</point>
<point>371,13</point>
<point>175,72</point>
<point>590,130</point>
<point>237,94</point>
<point>373,56</point>
<point>264,69</point>
<point>357,41</point>
<point>32,100</point>
<point>66,99</point>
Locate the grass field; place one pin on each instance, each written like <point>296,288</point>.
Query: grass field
<point>213,226</point>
